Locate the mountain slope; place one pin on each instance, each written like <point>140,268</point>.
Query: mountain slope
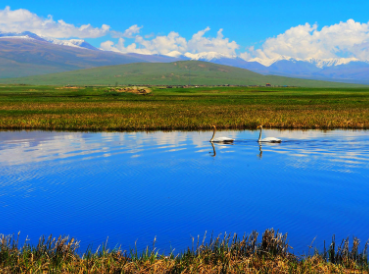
<point>177,73</point>
<point>21,57</point>
<point>24,34</point>
<point>26,54</point>
<point>79,43</point>
<point>353,72</point>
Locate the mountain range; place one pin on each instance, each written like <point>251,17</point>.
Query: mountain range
<point>26,54</point>
<point>78,43</point>
<point>353,72</point>
<point>175,73</point>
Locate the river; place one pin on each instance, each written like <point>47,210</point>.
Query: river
<point>134,186</point>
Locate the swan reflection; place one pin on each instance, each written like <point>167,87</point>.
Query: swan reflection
<point>214,151</point>
<point>260,151</point>
<point>268,145</point>
<point>222,146</point>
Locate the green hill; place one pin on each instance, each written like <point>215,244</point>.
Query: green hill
<point>27,57</point>
<point>177,73</point>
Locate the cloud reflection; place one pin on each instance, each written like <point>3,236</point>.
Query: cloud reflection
<point>340,146</point>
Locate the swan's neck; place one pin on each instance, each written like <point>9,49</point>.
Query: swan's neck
<point>261,130</point>
<point>212,138</point>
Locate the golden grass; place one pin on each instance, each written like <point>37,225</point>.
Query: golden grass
<point>221,255</point>
<point>182,109</point>
<point>169,116</point>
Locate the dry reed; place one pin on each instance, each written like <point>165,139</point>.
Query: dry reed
<point>227,254</point>
<point>162,110</point>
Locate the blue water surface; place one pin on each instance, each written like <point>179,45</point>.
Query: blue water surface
<point>136,186</point>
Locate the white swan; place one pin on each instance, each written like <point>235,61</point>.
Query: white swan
<point>268,139</point>
<point>220,139</point>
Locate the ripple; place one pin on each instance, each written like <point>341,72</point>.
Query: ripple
<point>176,184</point>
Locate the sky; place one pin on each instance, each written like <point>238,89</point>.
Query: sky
<point>263,31</point>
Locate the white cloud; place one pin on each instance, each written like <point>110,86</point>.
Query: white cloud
<point>204,55</point>
<point>331,45</point>
<point>23,20</point>
<point>128,33</point>
<point>174,45</point>
<point>120,47</point>
<point>165,45</point>
<point>131,31</point>
<point>220,45</point>
<point>346,41</point>
<point>162,44</point>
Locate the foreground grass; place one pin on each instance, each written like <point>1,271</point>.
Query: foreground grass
<point>228,254</point>
<point>102,108</point>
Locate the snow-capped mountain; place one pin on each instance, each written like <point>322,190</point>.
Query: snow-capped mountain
<point>334,69</point>
<point>331,62</point>
<point>45,55</point>
<point>79,43</point>
<point>204,56</point>
<point>25,54</point>
<point>23,35</point>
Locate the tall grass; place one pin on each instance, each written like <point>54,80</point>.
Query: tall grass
<point>167,110</point>
<point>128,116</point>
<point>226,254</point>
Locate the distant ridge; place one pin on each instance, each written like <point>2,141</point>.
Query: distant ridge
<point>20,57</point>
<point>79,43</point>
<point>24,35</point>
<point>26,54</point>
<point>333,70</point>
<point>177,73</point>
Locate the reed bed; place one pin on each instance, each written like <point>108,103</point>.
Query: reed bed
<point>222,254</point>
<point>178,117</point>
<point>164,110</point>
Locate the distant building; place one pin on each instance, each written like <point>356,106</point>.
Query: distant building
<point>268,85</point>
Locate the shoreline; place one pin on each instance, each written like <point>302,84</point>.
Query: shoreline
<point>164,129</point>
<point>223,254</point>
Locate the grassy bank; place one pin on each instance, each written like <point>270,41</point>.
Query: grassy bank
<point>227,254</point>
<point>104,108</point>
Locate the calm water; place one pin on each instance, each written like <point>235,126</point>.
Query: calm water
<point>174,185</point>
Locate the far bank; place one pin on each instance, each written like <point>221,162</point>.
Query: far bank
<point>177,108</point>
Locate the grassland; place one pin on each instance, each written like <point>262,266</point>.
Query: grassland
<point>227,254</point>
<point>177,73</point>
<point>105,108</point>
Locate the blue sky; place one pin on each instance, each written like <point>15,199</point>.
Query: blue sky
<point>247,23</point>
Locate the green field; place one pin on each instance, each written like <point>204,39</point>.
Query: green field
<point>178,73</point>
<point>104,108</point>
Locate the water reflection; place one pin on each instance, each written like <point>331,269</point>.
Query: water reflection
<point>28,147</point>
<point>260,151</point>
<point>214,151</point>
<point>139,185</point>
